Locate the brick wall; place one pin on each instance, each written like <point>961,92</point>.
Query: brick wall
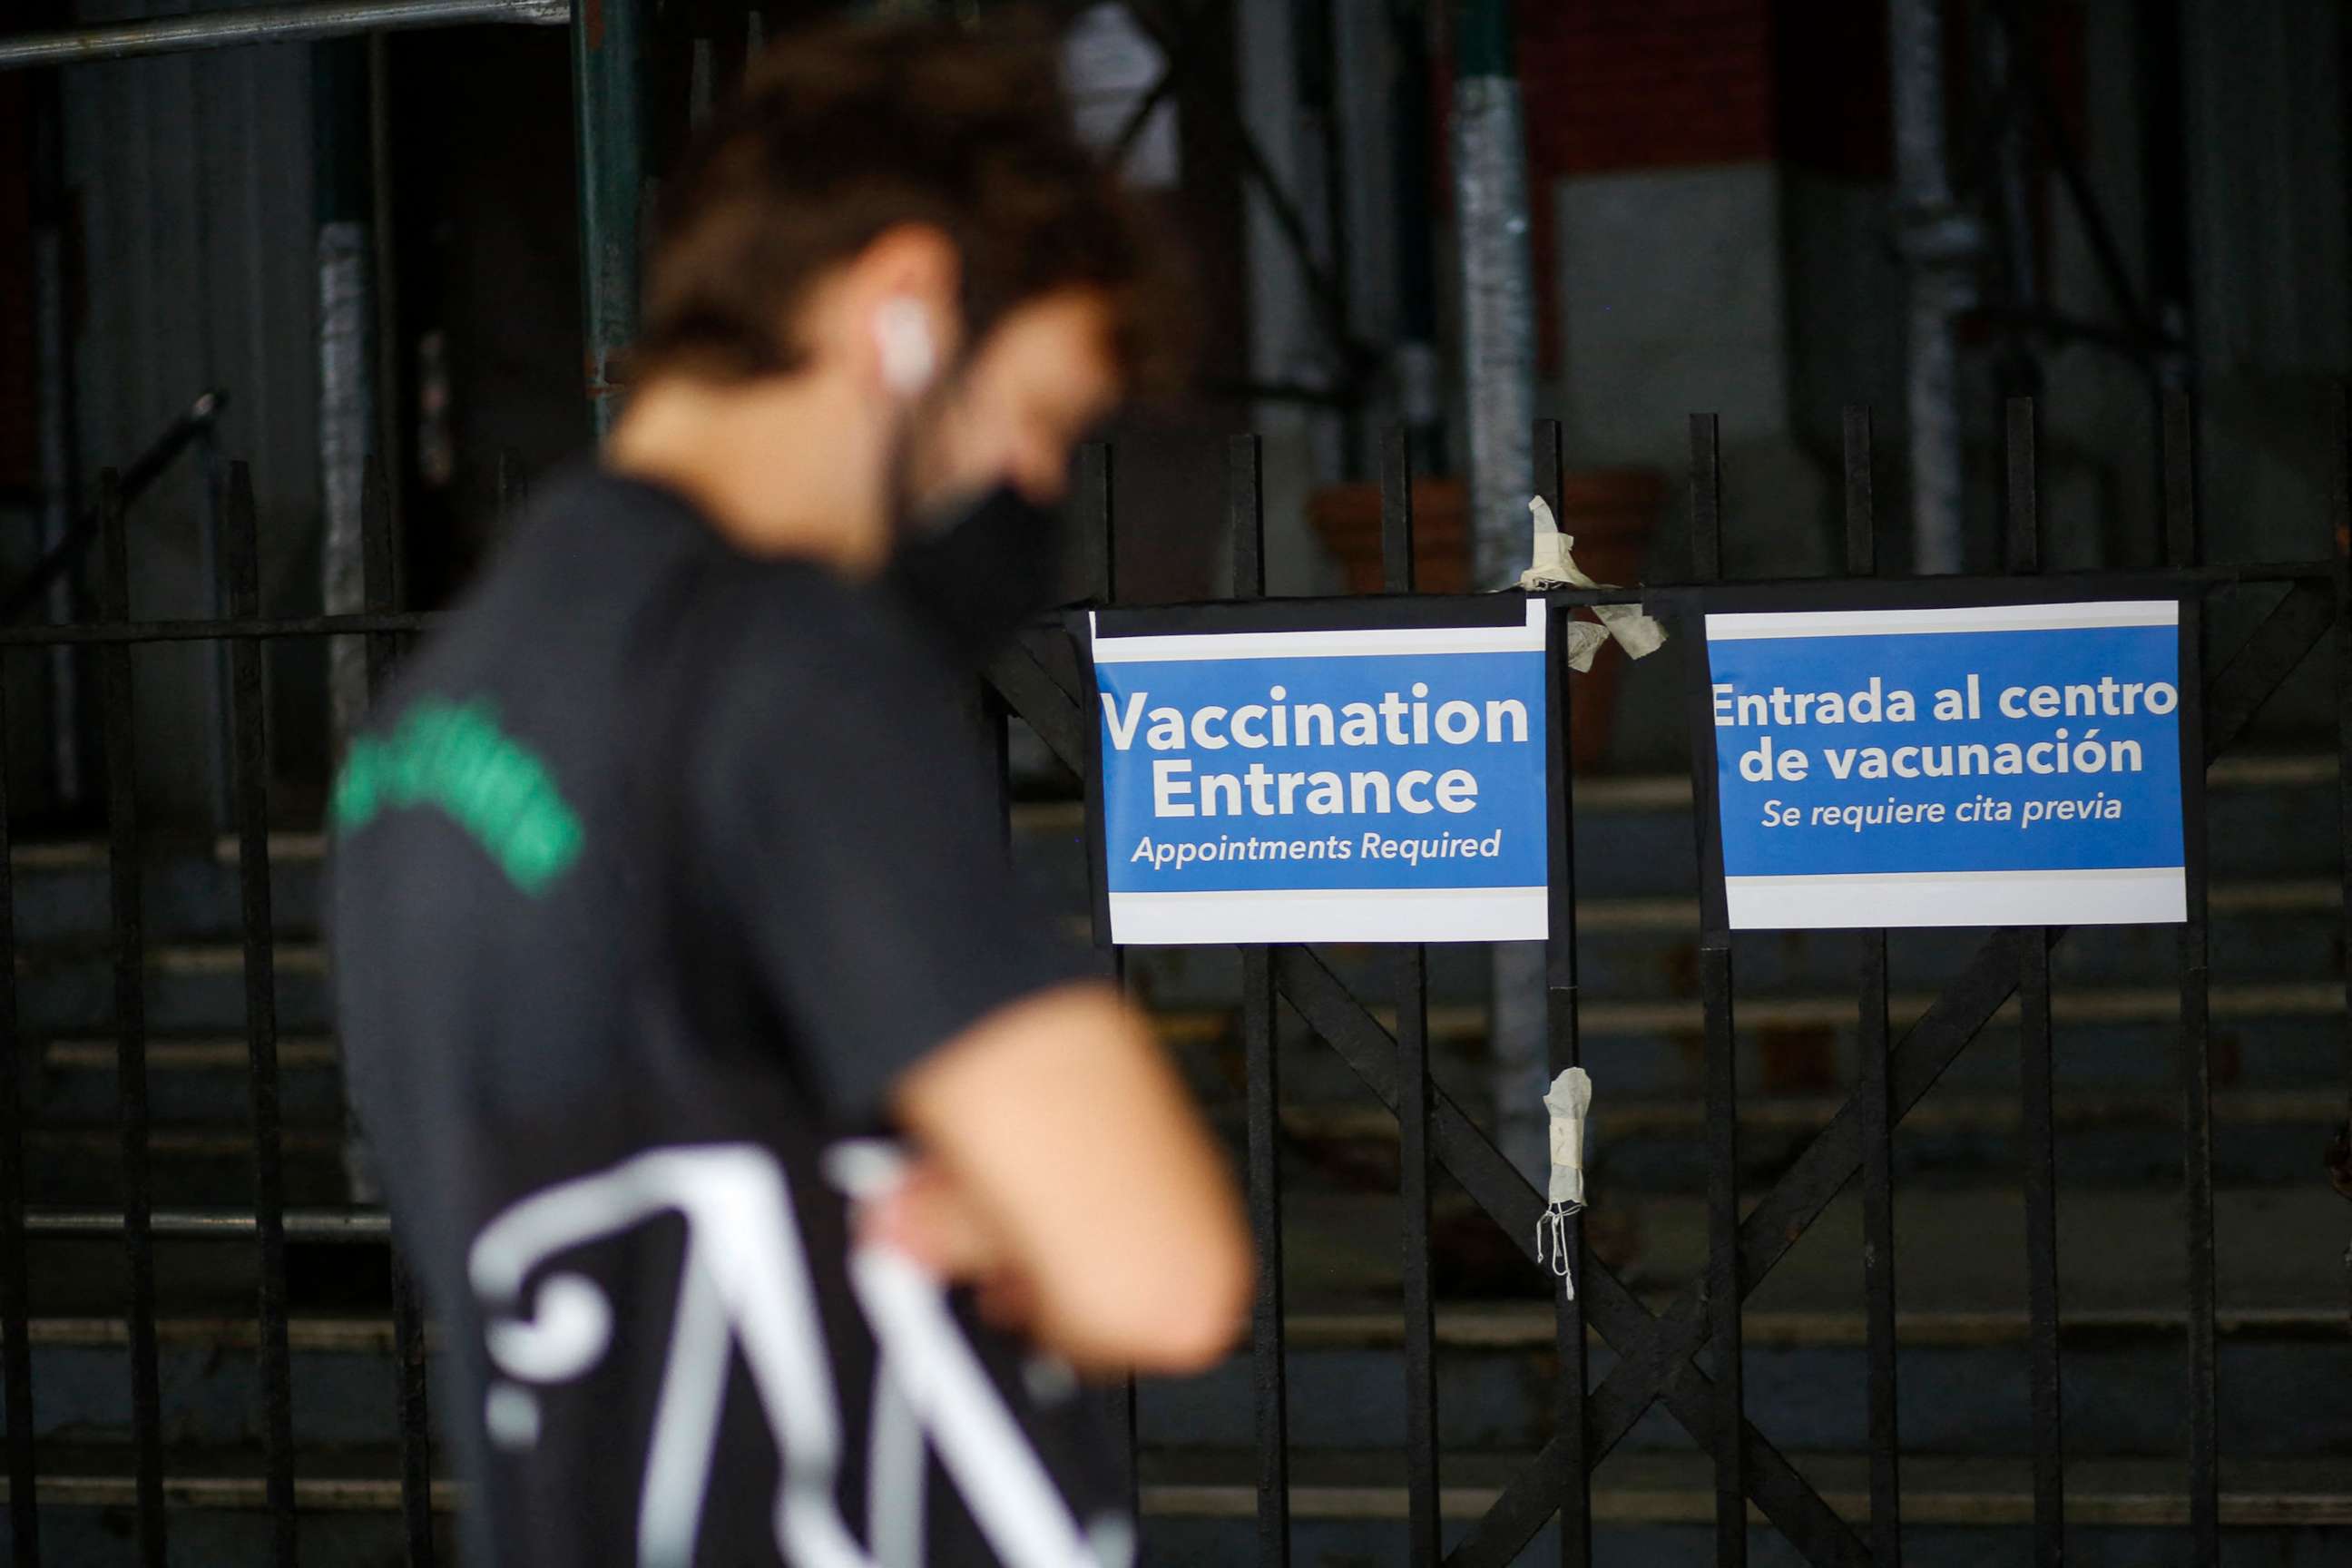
<point>1613,85</point>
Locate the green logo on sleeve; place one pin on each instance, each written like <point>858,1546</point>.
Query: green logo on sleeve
<point>454,756</point>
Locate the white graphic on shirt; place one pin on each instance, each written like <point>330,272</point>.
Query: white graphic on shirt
<point>894,1475</point>
<point>744,1284</point>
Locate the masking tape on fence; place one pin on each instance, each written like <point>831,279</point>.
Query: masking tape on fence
<point>1550,565</point>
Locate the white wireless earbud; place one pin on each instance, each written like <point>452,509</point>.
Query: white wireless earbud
<point>903,339</point>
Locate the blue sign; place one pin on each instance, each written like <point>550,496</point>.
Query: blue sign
<point>1360,785</point>
<point>2014,764</point>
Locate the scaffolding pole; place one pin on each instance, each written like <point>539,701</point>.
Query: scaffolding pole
<point>607,88</point>
<point>262,24</point>
<point>1939,242</point>
<point>1498,370</point>
<point>1490,188</point>
<point>54,405</point>
<point>349,419</point>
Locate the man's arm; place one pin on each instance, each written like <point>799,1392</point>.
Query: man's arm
<point>1083,1181</point>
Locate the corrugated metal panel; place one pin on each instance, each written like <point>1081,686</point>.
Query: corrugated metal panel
<point>193,174</point>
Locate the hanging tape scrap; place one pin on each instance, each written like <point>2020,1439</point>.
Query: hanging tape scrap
<point>1568,1101</point>
<point>1551,566</point>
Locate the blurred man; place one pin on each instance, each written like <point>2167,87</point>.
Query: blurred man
<point>697,1029</point>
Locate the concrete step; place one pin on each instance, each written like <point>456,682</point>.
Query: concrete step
<point>1356,1482</point>
<point>1657,1510</point>
<point>1962,1135</point>
<point>2272,939</point>
<point>1962,1383</point>
<point>1347,1506</point>
<point>208,1263</point>
<point>1639,951</point>
<point>2266,1033</point>
<point>2110,1139</point>
<point>62,888</point>
<point>1957,1249</point>
<point>195,987</point>
<point>2272,1037</point>
<point>342,1377</point>
<point>1966,1492</point>
<point>347,1507</point>
<point>190,1165</point>
<point>1961,1379</point>
<point>192,1080</point>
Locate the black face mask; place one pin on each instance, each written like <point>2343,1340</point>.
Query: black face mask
<point>980,578</point>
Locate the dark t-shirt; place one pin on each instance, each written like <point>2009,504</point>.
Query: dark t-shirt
<point>657,867</point>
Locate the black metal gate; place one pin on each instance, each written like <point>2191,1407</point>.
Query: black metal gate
<point>1655,1351</point>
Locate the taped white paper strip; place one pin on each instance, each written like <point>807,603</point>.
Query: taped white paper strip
<point>1551,565</point>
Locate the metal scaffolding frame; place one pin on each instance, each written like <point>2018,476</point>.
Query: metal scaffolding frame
<point>1975,252</point>
<point>262,24</point>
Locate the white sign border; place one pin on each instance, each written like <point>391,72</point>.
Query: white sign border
<point>1350,643</point>
<point>1845,900</point>
<point>1226,916</point>
<point>1749,625</point>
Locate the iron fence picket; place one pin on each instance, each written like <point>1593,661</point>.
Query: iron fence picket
<point>1724,1297</point>
<point>1098,539</point>
<point>1424,1545</point>
<point>2037,1144</point>
<point>1564,1043</point>
<point>123,860</point>
<point>1870,1096</point>
<point>2183,546</point>
<point>15,1296</point>
<point>1245,514</point>
<point>250,767</point>
<point>411,1395</point>
<point>1876,1131</point>
<point>2037,1137</point>
<point>363,1226</point>
<point>2337,1153</point>
<point>411,1407</point>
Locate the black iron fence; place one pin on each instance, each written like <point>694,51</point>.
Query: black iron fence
<point>1658,1352</point>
